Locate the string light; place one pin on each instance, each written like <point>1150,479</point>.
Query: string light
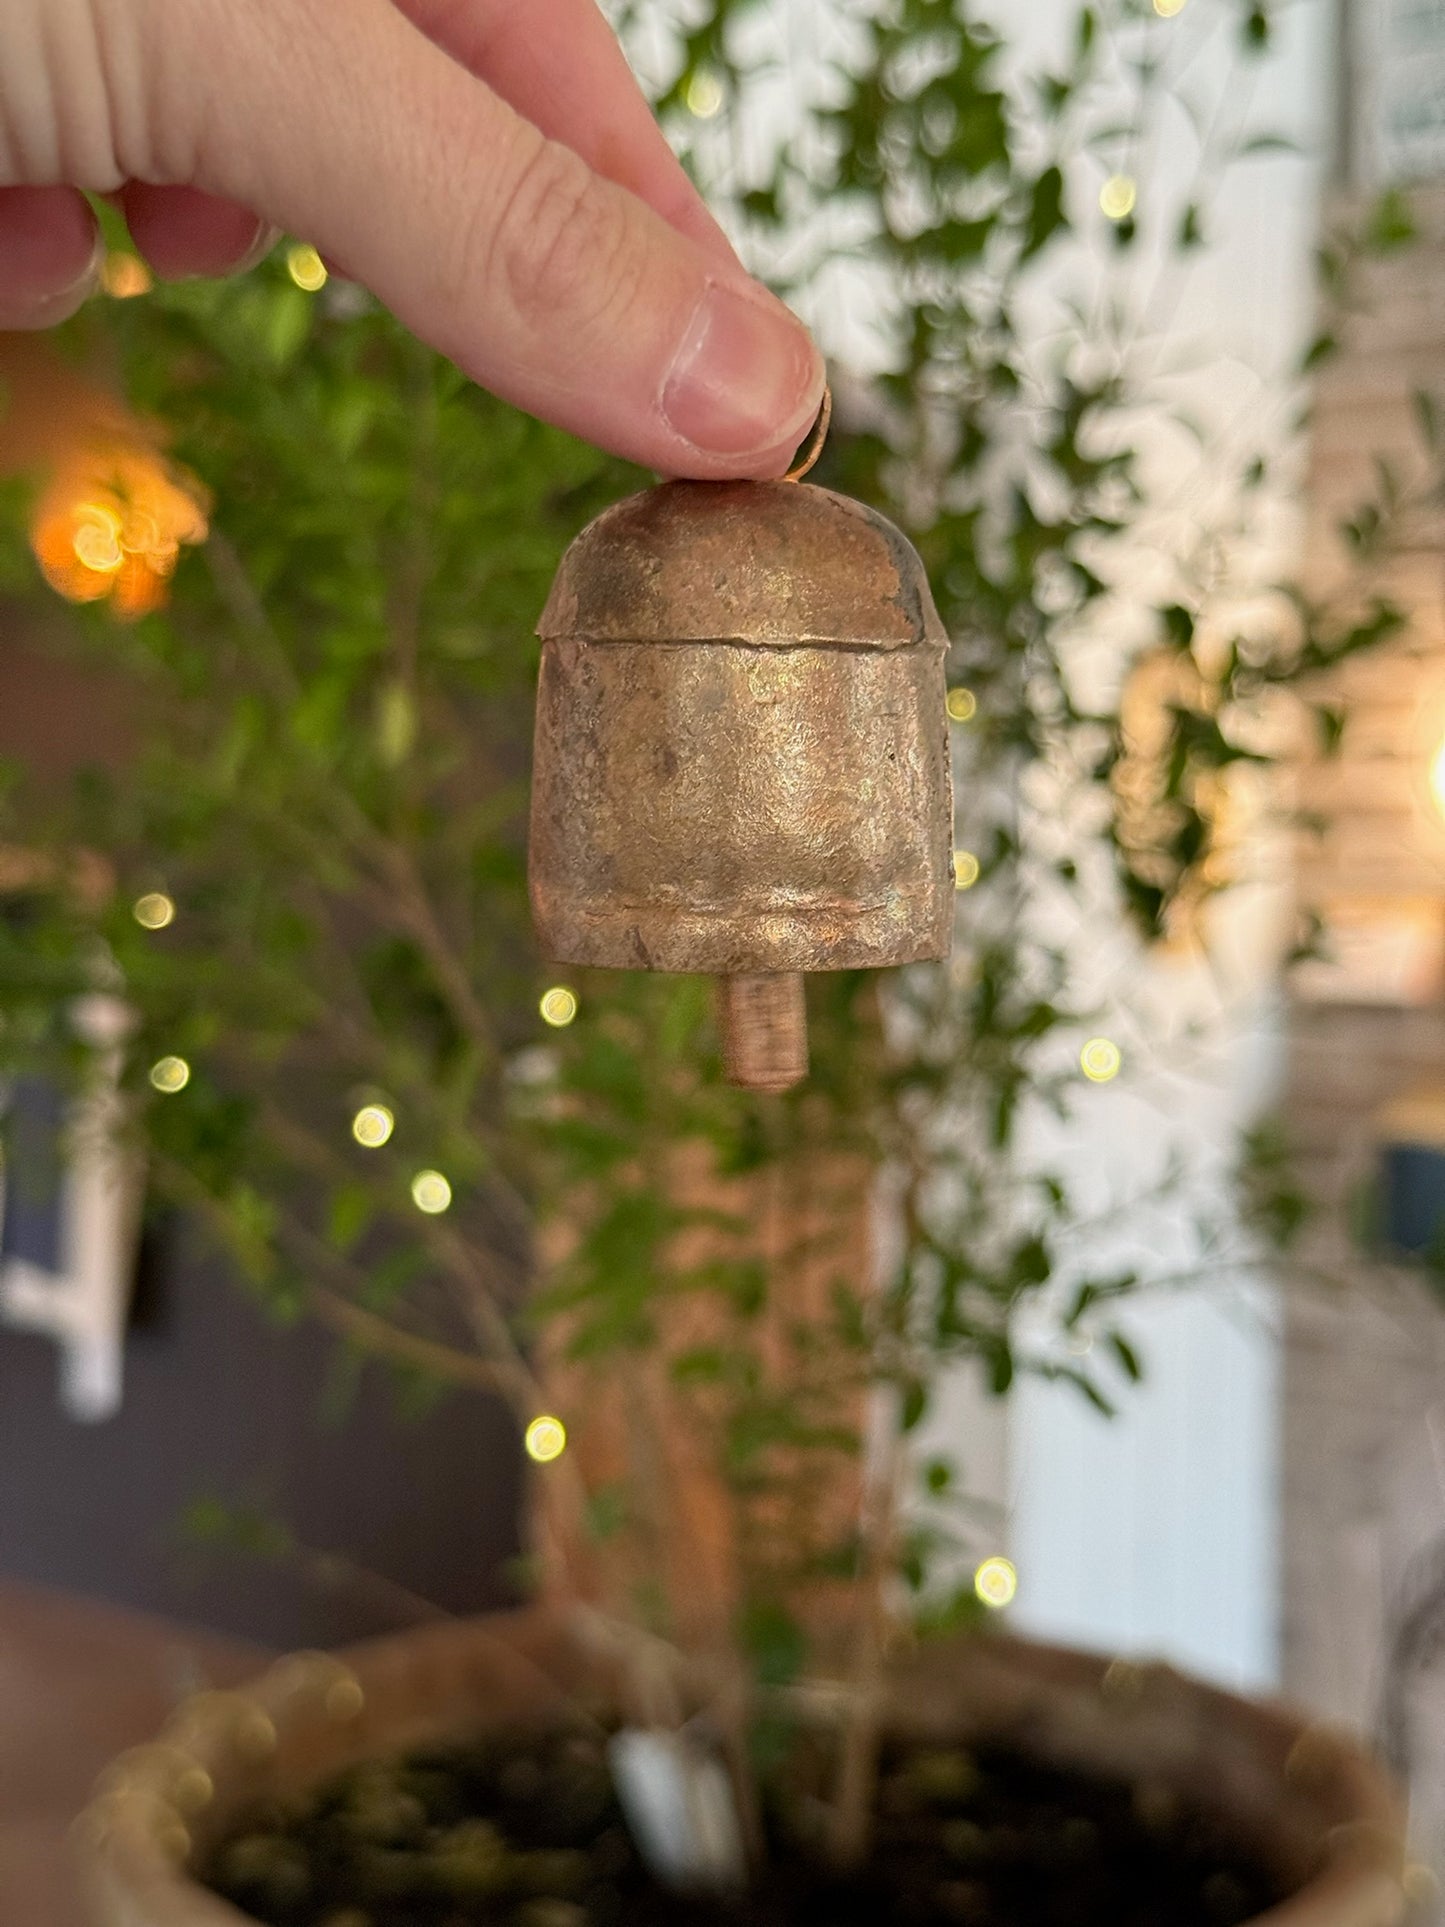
<point>996,1582</point>
<point>154,910</point>
<point>306,268</point>
<point>1118,195</point>
<point>546,1439</point>
<point>965,869</point>
<point>558,1006</point>
<point>704,95</point>
<point>1100,1059</point>
<point>170,1074</point>
<point>1167,9</point>
<point>112,524</point>
<point>962,705</point>
<point>430,1192</point>
<point>124,276</point>
<point>372,1126</point>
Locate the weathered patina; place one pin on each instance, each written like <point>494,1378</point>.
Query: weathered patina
<point>742,759</point>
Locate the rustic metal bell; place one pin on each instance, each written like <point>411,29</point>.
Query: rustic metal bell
<point>742,759</point>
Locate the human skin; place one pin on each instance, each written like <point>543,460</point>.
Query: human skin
<point>488,168</point>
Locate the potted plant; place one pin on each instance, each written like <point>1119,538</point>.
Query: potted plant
<point>343,1057</point>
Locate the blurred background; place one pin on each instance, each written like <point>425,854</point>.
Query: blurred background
<point>186,1482</point>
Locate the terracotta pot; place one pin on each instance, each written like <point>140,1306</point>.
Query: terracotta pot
<point>1308,1800</point>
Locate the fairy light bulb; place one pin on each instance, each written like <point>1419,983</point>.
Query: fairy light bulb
<point>431,1193</point>
<point>306,268</point>
<point>1100,1059</point>
<point>373,1125</point>
<point>545,1439</point>
<point>704,95</point>
<point>558,1006</point>
<point>124,276</point>
<point>154,911</point>
<point>995,1582</point>
<point>1118,196</point>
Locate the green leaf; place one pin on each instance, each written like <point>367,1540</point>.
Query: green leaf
<point>1271,144</point>
<point>1046,216</point>
<point>937,1476</point>
<point>1330,720</point>
<point>1127,1356</point>
<point>396,723</point>
<point>913,1404</point>
<point>288,323</point>
<point>703,1365</point>
<point>1392,222</point>
<point>774,1640</point>
<point>351,1211</point>
<point>606,1512</point>
<point>1178,625</point>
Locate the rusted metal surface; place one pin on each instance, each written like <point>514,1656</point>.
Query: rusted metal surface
<point>741,752</point>
<point>764,1026</point>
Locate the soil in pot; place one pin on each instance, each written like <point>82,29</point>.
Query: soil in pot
<point>525,1831</point>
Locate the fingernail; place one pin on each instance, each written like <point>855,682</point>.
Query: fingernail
<point>266,239</point>
<point>745,375</point>
<point>58,304</point>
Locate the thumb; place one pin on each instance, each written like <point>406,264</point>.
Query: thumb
<point>545,282</point>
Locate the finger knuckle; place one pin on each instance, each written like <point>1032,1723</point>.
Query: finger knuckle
<point>562,241</point>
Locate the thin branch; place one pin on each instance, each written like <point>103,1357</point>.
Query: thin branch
<point>380,1336</point>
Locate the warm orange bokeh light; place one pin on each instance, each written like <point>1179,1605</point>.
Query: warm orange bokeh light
<point>112,524</point>
<point>124,276</point>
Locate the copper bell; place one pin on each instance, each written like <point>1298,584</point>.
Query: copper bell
<point>742,760</point>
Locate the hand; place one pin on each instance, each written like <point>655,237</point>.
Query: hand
<point>487,167</point>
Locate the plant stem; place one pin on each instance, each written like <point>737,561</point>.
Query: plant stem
<point>858,1753</point>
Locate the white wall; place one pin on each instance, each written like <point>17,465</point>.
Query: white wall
<point>1157,1532</point>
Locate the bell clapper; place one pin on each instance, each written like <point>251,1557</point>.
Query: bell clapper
<point>763,1021</point>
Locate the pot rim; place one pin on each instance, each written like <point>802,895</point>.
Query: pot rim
<point>1308,1796</point>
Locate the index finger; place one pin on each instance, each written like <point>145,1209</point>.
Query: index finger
<point>559,64</point>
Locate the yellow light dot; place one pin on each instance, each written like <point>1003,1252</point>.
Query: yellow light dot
<point>1100,1060</point>
<point>546,1439</point>
<point>124,276</point>
<point>430,1192</point>
<point>558,1006</point>
<point>154,910</point>
<point>170,1074</point>
<point>1118,195</point>
<point>965,869</point>
<point>1166,9</point>
<point>704,95</point>
<point>306,268</point>
<point>962,705</point>
<point>373,1125</point>
<point>996,1582</point>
